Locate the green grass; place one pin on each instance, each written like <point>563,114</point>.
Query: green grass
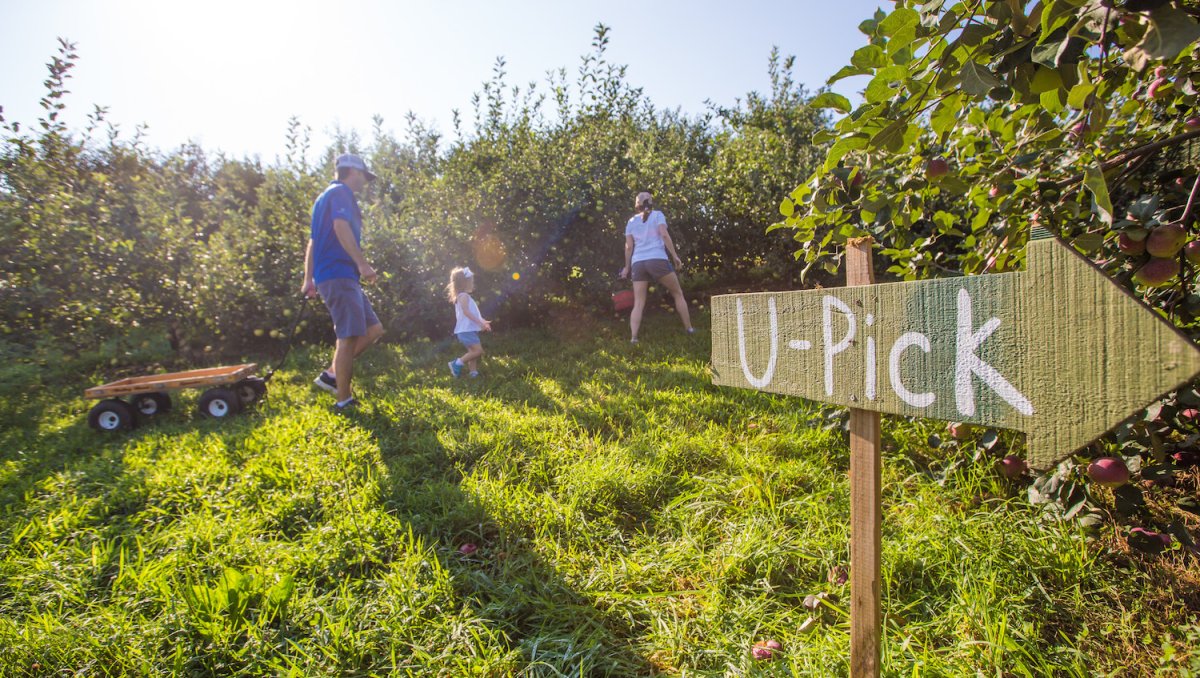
<point>631,518</point>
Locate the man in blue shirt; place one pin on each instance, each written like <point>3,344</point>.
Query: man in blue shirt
<point>334,265</point>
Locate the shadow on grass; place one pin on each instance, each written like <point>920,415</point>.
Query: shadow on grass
<point>556,630</point>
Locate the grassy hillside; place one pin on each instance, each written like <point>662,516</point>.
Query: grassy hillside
<point>629,518</point>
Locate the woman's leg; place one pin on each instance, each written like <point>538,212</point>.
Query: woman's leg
<point>639,305</point>
<point>671,282</point>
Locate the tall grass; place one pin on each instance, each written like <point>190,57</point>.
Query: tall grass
<point>629,517</point>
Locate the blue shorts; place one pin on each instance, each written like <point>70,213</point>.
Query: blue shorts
<point>348,306</point>
<point>468,339</point>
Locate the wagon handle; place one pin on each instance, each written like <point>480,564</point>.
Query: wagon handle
<point>291,337</point>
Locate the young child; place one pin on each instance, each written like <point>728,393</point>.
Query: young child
<point>469,322</point>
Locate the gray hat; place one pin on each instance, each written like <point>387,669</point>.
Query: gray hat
<point>351,161</point>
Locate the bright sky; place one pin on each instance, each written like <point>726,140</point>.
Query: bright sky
<point>228,75</point>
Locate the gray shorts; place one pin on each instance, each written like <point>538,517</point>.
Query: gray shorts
<point>348,306</point>
<point>651,270</point>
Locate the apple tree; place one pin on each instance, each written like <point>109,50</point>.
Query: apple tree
<point>983,119</point>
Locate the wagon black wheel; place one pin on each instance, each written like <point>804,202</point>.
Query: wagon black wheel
<point>250,390</point>
<point>219,403</point>
<point>112,415</point>
<point>151,404</point>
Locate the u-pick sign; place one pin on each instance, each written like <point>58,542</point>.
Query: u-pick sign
<point>1058,351</point>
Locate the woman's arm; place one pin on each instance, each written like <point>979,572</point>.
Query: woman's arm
<point>628,256</point>
<point>670,244</point>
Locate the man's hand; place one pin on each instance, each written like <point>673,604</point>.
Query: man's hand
<point>309,288</point>
<point>366,273</point>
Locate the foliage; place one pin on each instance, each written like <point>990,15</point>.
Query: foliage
<point>629,517</point>
<point>983,119</point>
<point>106,234</point>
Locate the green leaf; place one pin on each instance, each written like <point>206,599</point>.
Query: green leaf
<point>1093,179</point>
<point>978,80</point>
<point>841,147</point>
<point>845,72</point>
<point>1052,101</point>
<point>1171,30</point>
<point>898,19</point>
<point>787,208</point>
<point>1044,80</point>
<point>830,100</point>
<point>945,114</point>
<point>869,58</point>
<point>890,137</point>
<point>1078,97</point>
<point>1089,243</point>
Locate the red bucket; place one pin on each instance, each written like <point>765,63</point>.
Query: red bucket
<point>622,301</point>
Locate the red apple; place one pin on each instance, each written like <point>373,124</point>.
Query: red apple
<point>1080,128</point>
<point>958,430</point>
<point>1012,466</point>
<point>766,649</point>
<point>1130,246</point>
<point>1191,252</point>
<point>936,168</point>
<point>1189,414</point>
<point>1166,240</point>
<point>1192,122</point>
<point>1109,471</point>
<point>467,549</point>
<point>1149,540</point>
<point>1157,272</point>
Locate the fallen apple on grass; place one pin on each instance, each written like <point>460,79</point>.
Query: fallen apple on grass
<point>766,649</point>
<point>1012,466</point>
<point>1109,471</point>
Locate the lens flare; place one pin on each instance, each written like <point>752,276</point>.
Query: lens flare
<point>516,276</point>
<point>488,250</point>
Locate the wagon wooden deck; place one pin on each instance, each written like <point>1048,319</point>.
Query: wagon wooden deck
<point>213,376</point>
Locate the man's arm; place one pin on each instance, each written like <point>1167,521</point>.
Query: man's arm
<point>345,236</point>
<point>308,288</point>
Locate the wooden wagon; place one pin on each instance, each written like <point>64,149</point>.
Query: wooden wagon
<point>229,390</point>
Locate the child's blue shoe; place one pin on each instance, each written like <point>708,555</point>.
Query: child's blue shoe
<point>455,368</point>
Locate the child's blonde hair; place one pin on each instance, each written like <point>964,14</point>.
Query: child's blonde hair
<point>460,279</point>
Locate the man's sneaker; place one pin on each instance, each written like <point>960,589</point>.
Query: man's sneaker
<point>455,368</point>
<point>351,404</point>
<point>326,382</point>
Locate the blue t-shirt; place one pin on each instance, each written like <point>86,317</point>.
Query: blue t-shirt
<point>329,258</point>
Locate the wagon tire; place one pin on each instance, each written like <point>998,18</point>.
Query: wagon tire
<point>151,404</point>
<point>112,415</point>
<point>219,403</point>
<point>250,390</point>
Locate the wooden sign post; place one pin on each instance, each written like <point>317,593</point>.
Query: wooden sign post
<point>1058,351</point>
<point>866,505</point>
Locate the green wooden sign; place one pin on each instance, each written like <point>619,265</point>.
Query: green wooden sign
<point>1058,351</point>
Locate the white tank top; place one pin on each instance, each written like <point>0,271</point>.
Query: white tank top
<point>462,322</point>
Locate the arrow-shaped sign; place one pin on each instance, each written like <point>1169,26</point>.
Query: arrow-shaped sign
<point>1058,351</point>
